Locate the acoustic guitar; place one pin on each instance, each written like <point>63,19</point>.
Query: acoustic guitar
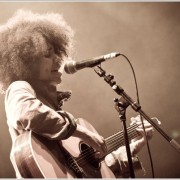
<point>38,157</point>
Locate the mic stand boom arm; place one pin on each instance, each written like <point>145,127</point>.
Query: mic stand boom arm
<point>135,106</point>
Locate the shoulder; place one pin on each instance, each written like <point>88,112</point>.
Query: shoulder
<point>20,86</point>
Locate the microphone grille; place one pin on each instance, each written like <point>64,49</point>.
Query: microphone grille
<point>70,67</point>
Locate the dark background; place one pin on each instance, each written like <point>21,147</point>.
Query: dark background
<point>149,35</point>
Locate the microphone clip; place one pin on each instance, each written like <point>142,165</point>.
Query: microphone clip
<point>102,73</point>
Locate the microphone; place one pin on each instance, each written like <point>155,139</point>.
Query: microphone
<point>73,66</point>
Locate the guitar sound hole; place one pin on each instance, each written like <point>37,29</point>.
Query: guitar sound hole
<point>89,155</point>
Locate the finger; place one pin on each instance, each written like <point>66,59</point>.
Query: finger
<point>138,117</point>
<point>138,145</point>
<point>148,129</point>
<point>146,125</point>
<point>148,134</point>
<point>135,120</point>
<point>102,145</point>
<point>132,121</point>
<point>102,149</point>
<point>145,122</point>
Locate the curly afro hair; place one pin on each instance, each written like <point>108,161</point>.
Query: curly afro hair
<point>23,39</point>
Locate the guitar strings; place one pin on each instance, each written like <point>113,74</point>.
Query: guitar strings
<point>89,155</point>
<point>114,138</point>
<point>111,143</point>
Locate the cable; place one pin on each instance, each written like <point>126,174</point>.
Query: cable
<point>138,100</point>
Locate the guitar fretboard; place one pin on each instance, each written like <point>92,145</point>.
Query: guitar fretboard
<point>116,140</point>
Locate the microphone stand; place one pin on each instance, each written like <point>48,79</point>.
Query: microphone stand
<point>121,106</point>
<point>135,106</point>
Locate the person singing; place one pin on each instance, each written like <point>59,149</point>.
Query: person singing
<point>33,51</point>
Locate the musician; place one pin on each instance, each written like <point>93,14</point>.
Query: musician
<point>33,51</point>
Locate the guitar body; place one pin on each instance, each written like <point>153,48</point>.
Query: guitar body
<point>37,157</point>
<point>90,167</point>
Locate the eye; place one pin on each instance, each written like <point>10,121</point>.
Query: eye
<point>58,52</point>
<point>48,53</point>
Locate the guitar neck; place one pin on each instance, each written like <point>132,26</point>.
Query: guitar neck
<point>116,140</point>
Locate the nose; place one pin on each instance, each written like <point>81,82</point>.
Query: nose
<point>58,62</point>
<point>56,58</point>
<point>61,68</point>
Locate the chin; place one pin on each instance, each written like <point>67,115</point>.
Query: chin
<point>56,82</point>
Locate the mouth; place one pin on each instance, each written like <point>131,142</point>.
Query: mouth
<point>56,71</point>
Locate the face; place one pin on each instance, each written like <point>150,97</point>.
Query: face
<point>51,67</point>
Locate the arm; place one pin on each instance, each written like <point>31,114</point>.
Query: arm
<point>25,112</point>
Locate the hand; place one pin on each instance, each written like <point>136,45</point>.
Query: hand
<point>92,139</point>
<point>139,142</point>
<point>136,144</point>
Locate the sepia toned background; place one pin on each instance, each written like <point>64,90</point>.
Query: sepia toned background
<point>149,35</point>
